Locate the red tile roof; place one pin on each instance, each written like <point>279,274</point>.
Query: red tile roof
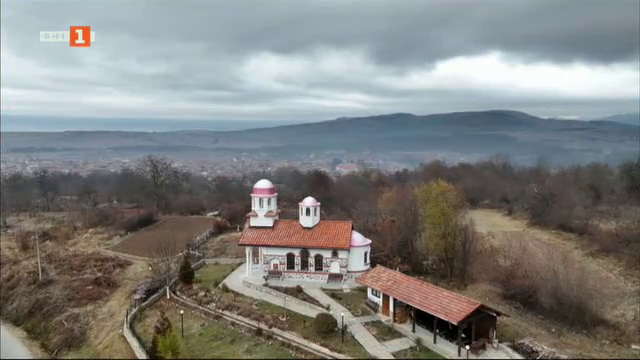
<point>327,234</point>
<point>444,304</point>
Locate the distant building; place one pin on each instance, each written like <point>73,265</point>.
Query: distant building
<point>304,249</point>
<point>347,168</point>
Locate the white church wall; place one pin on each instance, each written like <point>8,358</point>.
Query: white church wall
<point>356,258</point>
<point>261,221</point>
<point>269,254</point>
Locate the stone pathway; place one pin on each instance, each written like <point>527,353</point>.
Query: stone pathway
<point>364,337</point>
<point>398,344</point>
<point>234,282</point>
<point>368,318</point>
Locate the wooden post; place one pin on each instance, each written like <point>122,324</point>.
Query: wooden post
<point>473,331</point>
<point>459,339</point>
<point>413,316</point>
<point>435,329</point>
<point>39,263</point>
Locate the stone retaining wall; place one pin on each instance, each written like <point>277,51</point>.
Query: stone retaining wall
<point>290,299</point>
<point>224,261</point>
<point>129,334</point>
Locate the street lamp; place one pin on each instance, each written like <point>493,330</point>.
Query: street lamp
<point>467,347</point>
<point>182,322</point>
<point>342,328</point>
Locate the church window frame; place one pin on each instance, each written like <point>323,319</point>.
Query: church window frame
<point>318,262</point>
<point>291,261</point>
<point>304,260</point>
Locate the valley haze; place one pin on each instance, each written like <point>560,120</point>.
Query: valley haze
<point>390,141</point>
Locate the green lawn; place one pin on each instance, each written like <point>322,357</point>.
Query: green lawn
<point>382,331</point>
<point>269,313</point>
<point>206,338</point>
<point>354,300</point>
<point>303,326</point>
<point>417,352</point>
<point>211,275</point>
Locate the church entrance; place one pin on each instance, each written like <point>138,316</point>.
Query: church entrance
<point>335,267</point>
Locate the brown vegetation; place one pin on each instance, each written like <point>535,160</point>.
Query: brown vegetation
<point>51,310</point>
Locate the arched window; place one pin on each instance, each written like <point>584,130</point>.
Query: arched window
<point>304,260</point>
<point>301,213</point>
<point>315,211</point>
<point>334,254</point>
<point>308,211</point>
<point>291,261</point>
<point>366,257</point>
<point>269,202</point>
<point>260,203</point>
<point>318,263</point>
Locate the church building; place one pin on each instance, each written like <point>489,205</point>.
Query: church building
<point>304,249</point>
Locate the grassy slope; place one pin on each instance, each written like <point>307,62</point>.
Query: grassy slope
<point>622,303</point>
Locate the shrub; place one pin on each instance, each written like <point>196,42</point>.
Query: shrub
<point>186,271</point>
<point>25,240</point>
<point>224,288</point>
<point>169,346</point>
<point>98,217</point>
<point>258,331</point>
<point>550,282</point>
<point>324,324</point>
<point>137,222</point>
<point>299,289</point>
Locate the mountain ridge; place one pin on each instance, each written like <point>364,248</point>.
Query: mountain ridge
<point>474,134</point>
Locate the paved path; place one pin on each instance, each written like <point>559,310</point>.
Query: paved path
<point>11,347</point>
<point>361,334</point>
<point>234,282</point>
<point>398,344</point>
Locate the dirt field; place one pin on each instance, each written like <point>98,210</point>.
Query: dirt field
<point>621,283</point>
<point>224,245</point>
<point>179,229</point>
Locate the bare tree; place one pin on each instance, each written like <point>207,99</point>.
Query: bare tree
<point>47,187</point>
<point>161,174</point>
<point>165,261</point>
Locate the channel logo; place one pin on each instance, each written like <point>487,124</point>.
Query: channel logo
<point>77,36</point>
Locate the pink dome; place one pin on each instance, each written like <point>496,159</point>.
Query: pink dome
<point>309,201</point>
<point>264,187</point>
<point>358,239</point>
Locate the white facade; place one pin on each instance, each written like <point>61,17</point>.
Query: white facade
<point>290,262</point>
<point>374,296</point>
<point>261,205</point>
<point>309,212</point>
<point>357,261</point>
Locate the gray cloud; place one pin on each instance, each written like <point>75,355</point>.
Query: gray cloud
<point>317,59</point>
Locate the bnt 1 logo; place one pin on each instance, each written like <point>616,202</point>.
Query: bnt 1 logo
<point>80,36</point>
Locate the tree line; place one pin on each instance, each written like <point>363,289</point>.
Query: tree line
<point>407,212</point>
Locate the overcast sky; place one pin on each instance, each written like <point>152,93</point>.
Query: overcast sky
<point>316,60</point>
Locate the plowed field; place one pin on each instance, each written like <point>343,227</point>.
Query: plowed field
<point>180,230</point>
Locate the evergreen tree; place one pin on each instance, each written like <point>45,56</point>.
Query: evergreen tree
<point>186,271</point>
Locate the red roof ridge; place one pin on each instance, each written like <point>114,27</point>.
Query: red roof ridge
<point>442,303</point>
<point>327,234</point>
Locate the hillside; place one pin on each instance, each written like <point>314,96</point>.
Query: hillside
<point>631,119</point>
<point>472,134</point>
